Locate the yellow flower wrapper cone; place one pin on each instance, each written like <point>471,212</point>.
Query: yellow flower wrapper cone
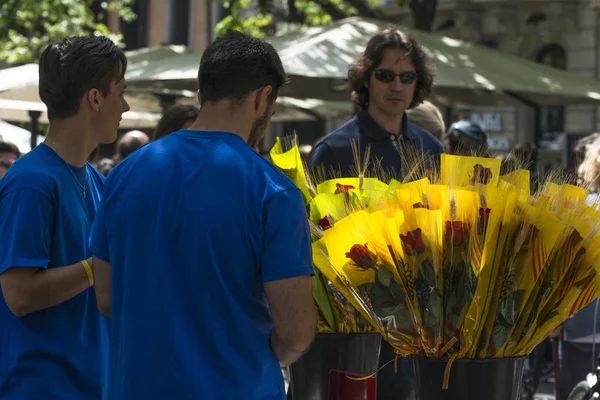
<point>585,288</point>
<point>339,312</point>
<point>460,280</point>
<point>360,256</point>
<point>519,179</point>
<point>326,209</point>
<point>339,185</point>
<point>459,171</point>
<point>487,230</point>
<point>533,242</point>
<point>438,197</point>
<point>423,246</point>
<point>567,248</point>
<point>323,263</point>
<point>290,163</point>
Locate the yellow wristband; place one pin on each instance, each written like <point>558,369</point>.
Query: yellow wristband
<point>88,271</point>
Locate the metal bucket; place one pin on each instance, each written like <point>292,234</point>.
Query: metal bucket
<point>469,379</point>
<point>332,358</point>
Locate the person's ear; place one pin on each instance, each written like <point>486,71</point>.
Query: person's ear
<point>94,99</point>
<point>261,100</point>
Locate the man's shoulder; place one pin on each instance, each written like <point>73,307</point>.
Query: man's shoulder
<point>275,180</point>
<point>33,171</point>
<point>341,136</point>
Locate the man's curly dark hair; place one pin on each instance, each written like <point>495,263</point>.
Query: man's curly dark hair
<point>392,38</point>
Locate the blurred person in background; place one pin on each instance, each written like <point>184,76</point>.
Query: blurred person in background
<point>207,276</point>
<point>128,143</point>
<point>179,116</point>
<point>391,76</point>
<point>9,151</point>
<point>466,138</point>
<point>522,156</point>
<point>54,340</point>
<point>4,166</point>
<point>588,171</point>
<point>428,117</point>
<point>578,333</point>
<point>105,165</point>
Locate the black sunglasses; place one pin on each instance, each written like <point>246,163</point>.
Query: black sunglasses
<point>387,76</point>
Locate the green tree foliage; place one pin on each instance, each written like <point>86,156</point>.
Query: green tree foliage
<point>314,13</point>
<point>28,26</point>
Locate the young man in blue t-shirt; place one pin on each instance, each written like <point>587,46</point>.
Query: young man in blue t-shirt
<point>201,247</point>
<point>53,339</point>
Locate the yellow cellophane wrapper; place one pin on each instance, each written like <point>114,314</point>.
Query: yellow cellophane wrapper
<point>519,180</point>
<point>503,294</point>
<point>328,205</point>
<point>459,214</point>
<point>362,229</point>
<point>584,289</point>
<point>467,171</point>
<point>533,242</point>
<point>331,185</point>
<point>290,163</point>
<point>560,262</point>
<point>487,231</point>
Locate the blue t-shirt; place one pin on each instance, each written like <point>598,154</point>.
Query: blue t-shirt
<point>193,225</point>
<point>57,353</point>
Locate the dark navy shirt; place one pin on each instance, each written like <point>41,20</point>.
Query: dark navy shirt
<point>335,152</point>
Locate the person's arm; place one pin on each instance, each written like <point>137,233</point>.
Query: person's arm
<point>26,224</point>
<point>27,289</point>
<point>294,317</point>
<point>286,273</point>
<point>103,286</point>
<point>102,267</point>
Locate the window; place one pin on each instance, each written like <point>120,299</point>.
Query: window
<point>178,22</point>
<point>552,118</point>
<point>135,34</point>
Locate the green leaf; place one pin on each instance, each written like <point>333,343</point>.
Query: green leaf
<point>29,26</point>
<point>385,276</point>
<point>322,299</point>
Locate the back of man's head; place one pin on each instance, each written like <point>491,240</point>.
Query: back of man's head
<point>130,142</point>
<point>72,67</point>
<point>466,138</point>
<point>235,65</point>
<point>9,151</point>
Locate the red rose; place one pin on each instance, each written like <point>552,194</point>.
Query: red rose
<point>342,188</point>
<point>362,256</point>
<point>454,232</point>
<point>326,222</point>
<point>413,241</point>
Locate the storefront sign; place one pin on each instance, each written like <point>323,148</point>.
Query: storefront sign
<point>489,121</point>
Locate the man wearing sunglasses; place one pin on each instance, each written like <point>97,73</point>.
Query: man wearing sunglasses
<point>389,77</point>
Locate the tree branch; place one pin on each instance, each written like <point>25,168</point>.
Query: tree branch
<point>423,12</point>
<point>294,15</point>
<point>363,9</point>
<point>334,12</point>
